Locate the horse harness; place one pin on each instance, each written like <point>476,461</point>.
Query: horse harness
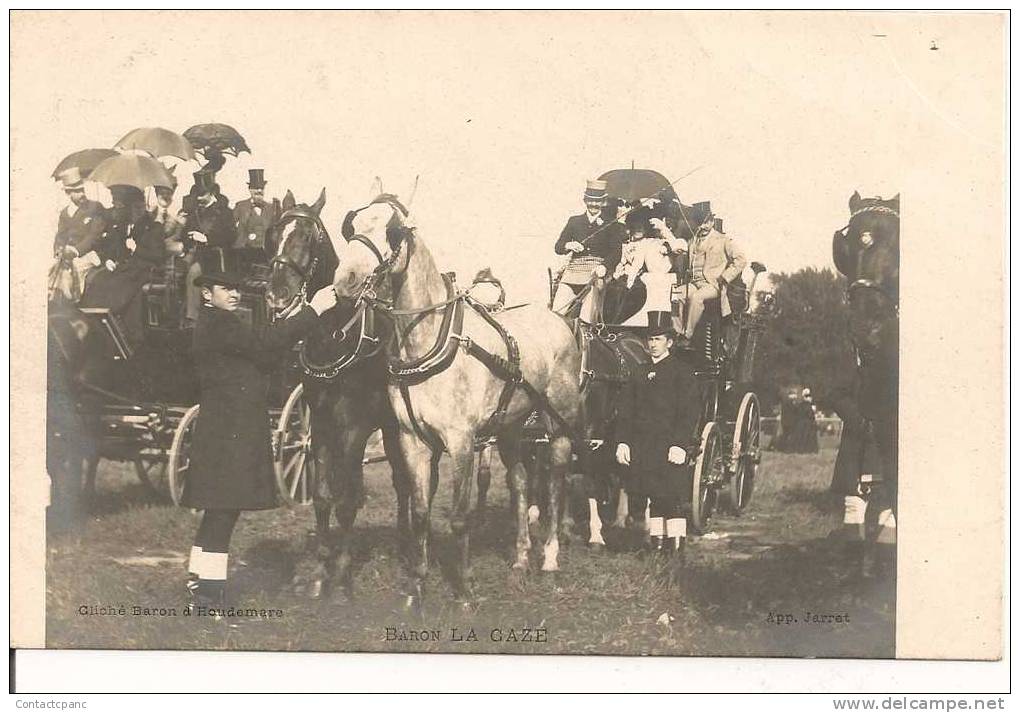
<point>443,352</point>
<point>864,283</point>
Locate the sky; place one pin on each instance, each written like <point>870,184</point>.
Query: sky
<point>502,116</point>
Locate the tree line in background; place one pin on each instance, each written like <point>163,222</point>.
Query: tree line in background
<point>806,341</point>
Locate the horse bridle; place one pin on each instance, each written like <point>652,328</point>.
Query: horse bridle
<point>866,283</point>
<point>321,233</point>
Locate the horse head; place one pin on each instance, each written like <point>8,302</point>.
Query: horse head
<point>867,253</point>
<point>305,259</point>
<point>378,237</point>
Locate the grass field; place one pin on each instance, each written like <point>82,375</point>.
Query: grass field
<point>774,560</point>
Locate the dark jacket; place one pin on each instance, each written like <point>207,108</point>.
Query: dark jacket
<point>606,244</point>
<point>659,407</point>
<point>231,455</point>
<point>249,223</point>
<point>81,230</point>
<point>215,222</point>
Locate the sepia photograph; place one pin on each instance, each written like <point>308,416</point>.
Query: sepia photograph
<point>493,332</point>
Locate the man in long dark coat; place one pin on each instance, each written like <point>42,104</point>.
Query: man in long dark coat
<point>231,466</point>
<point>656,432</point>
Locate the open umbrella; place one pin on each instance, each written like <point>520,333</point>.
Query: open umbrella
<point>218,137</point>
<point>84,161</point>
<point>634,184</point>
<point>131,170</point>
<point>157,142</point>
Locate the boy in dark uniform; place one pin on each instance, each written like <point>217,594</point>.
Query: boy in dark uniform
<point>656,430</point>
<point>231,460</point>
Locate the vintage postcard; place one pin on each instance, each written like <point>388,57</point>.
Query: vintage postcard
<point>509,332</point>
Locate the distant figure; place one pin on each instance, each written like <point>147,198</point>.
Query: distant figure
<point>798,432</point>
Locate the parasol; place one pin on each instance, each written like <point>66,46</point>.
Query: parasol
<point>220,138</point>
<point>634,184</point>
<point>85,161</point>
<point>157,142</point>
<point>131,170</point>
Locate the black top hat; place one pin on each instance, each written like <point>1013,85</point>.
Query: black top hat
<point>255,178</point>
<point>226,279</point>
<point>205,181</point>
<point>659,323</point>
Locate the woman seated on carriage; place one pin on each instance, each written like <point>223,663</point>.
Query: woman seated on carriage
<point>132,249</point>
<point>643,278</point>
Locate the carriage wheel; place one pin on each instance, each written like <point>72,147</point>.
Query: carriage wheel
<point>707,470</point>
<point>179,459</point>
<point>746,452</point>
<point>292,450</point>
<point>151,468</point>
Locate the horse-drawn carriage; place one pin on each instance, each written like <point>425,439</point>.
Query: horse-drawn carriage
<point>721,352</point>
<point>135,400</point>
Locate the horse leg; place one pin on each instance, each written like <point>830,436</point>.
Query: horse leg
<point>351,496</point>
<point>462,455</point>
<point>401,485</point>
<point>510,452</point>
<point>559,457</point>
<point>421,465</point>
<point>484,478</point>
<point>326,488</point>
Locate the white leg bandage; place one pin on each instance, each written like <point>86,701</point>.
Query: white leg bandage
<point>886,528</point>
<point>196,560</point>
<point>854,507</point>
<point>656,527</point>
<point>215,564</point>
<point>676,527</point>
<point>594,523</point>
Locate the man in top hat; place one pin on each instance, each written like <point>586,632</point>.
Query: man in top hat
<point>231,455</point>
<point>208,230</point>
<point>255,216</point>
<point>591,241</point>
<point>656,433</point>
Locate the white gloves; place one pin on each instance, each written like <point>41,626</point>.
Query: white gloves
<point>623,454</point>
<point>574,247</point>
<point>130,244</point>
<point>198,237</point>
<point>676,455</point>
<point>323,300</point>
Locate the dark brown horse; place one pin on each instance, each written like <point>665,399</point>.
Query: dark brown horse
<point>344,385</point>
<point>867,252</point>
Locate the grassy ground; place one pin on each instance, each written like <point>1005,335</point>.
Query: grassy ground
<point>776,559</point>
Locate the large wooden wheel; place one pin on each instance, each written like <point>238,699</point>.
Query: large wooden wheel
<point>179,460</point>
<point>292,450</point>
<point>707,473</point>
<point>746,452</point>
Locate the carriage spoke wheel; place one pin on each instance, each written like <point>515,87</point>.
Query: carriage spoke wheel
<point>746,452</point>
<point>151,468</point>
<point>707,471</point>
<point>179,460</point>
<point>292,450</point>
